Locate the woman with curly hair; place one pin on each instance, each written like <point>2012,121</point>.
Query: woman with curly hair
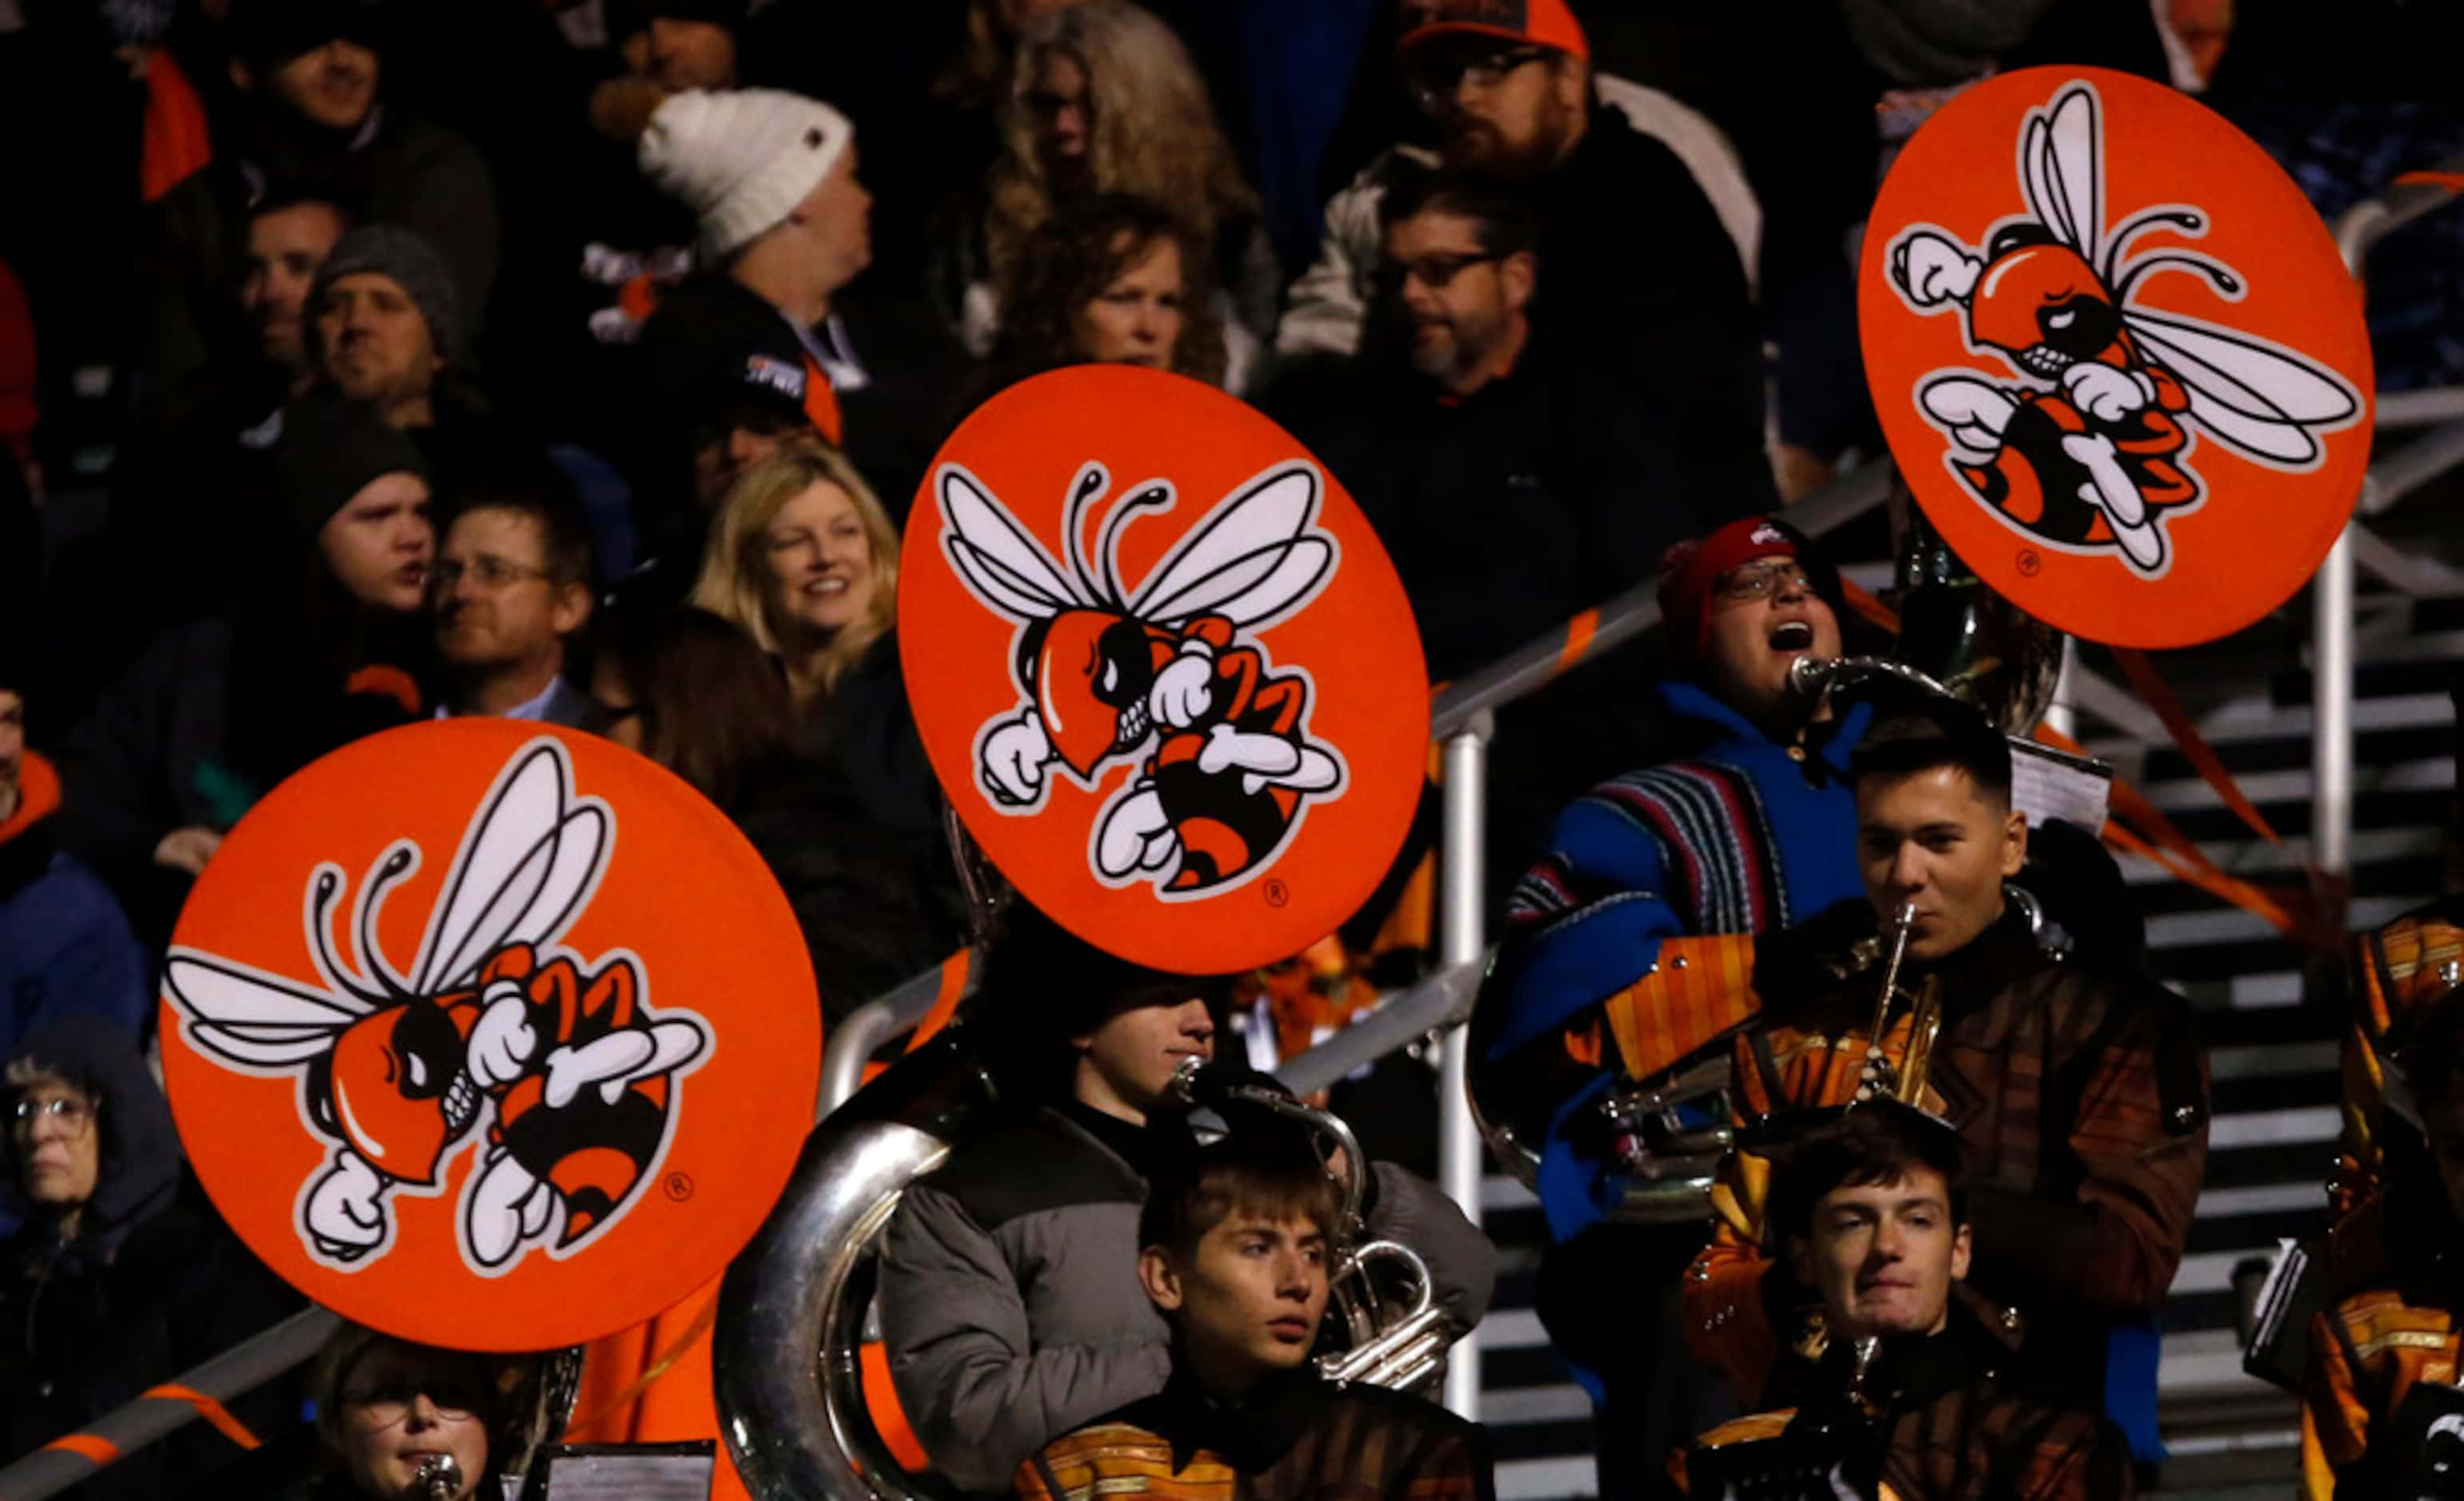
<point>1104,99</point>
<point>1112,278</point>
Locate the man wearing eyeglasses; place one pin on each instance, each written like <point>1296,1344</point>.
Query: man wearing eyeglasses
<point>1647,282</point>
<point>1652,886</point>
<point>510,588</point>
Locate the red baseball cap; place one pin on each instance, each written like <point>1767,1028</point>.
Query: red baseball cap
<point>1543,23</point>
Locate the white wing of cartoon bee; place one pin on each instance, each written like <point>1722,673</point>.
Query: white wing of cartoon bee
<point>1253,559</point>
<point>2252,395</point>
<point>1009,569</point>
<point>523,874</point>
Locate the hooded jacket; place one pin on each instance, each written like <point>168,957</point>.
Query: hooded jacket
<point>149,1286</point>
<point>65,945</point>
<point>1009,1293</point>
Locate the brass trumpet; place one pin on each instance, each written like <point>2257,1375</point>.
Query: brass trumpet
<point>1904,1080</point>
<point>1396,1342</point>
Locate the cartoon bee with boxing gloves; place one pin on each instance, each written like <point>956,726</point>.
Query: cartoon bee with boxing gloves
<point>561,1070</point>
<point>1170,675</point>
<point>2089,449</point>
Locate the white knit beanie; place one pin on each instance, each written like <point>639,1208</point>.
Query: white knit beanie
<point>742,158</point>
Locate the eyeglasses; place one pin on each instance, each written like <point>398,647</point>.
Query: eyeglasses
<point>491,571</point>
<point>1436,79</point>
<point>73,1115</point>
<point>1436,272</point>
<point>389,1404</point>
<point>1749,584</point>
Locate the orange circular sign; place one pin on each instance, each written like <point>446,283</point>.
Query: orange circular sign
<point>2117,356</point>
<point>489,1035</point>
<point>1162,667</point>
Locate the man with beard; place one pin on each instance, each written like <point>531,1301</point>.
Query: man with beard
<point>387,330</point>
<point>1512,487</point>
<point>309,75</point>
<point>1645,284</point>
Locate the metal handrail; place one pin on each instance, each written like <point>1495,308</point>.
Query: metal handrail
<point>239,1370</point>
<point>2358,231</point>
<point>853,1041</point>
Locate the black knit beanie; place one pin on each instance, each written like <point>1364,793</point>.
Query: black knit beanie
<point>331,450</point>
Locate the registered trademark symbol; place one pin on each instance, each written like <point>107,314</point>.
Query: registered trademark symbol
<point>679,1186</point>
<point>1277,893</point>
<point>2029,562</point>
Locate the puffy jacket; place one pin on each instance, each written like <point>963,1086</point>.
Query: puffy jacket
<point>65,945</point>
<point>1010,1299</point>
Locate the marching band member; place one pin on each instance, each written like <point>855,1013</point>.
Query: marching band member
<point>1235,1242</point>
<point>2076,1081</point>
<point>1917,1397</point>
<point>1749,831</point>
<point>2380,1412</point>
<point>1009,1292</point>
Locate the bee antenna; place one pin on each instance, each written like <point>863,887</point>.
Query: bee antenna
<point>2188,221</point>
<point>2226,281</point>
<point>1089,484</point>
<point>397,864</point>
<point>329,885</point>
<point>1154,495</point>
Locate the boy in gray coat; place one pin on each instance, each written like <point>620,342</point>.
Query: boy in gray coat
<point>1010,1299</point>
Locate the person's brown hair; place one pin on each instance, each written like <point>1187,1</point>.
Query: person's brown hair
<point>1877,1146</point>
<point>1263,1167</point>
<point>712,706</point>
<point>1069,261</point>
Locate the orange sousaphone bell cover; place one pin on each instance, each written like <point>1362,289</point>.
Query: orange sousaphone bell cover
<point>2117,356</point>
<point>1162,667</point>
<point>489,1035</point>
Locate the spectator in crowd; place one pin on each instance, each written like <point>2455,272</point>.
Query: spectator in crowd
<point>682,44</point>
<point>307,75</point>
<point>2089,1123</point>
<point>1873,1212</point>
<point>1235,1242</point>
<point>693,692</point>
<point>1511,488</point>
<point>511,587</point>
<point>1644,283</point>
<point>184,504</point>
<point>385,1407</point>
<point>804,560</point>
<point>1010,1302</point>
<point>1104,99</point>
<point>2373,1393</point>
<point>390,335</point>
<point>784,229</point>
<point>1749,828</point>
<point>65,945</point>
<point>288,241</point>
<point>119,1276</point>
<point>1110,278</point>
<point>328,641</point>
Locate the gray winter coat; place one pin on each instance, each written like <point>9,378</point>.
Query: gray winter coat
<point>1010,1301</point>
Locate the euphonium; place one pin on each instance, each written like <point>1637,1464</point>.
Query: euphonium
<point>1390,1341</point>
